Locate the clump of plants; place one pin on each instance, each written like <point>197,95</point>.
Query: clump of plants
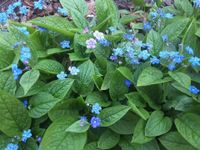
<point>110,81</point>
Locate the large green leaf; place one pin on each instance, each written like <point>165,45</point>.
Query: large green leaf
<point>55,23</point>
<point>14,117</point>
<point>76,127</point>
<point>59,88</point>
<point>84,83</point>
<point>7,82</point>
<point>157,124</point>
<point>188,126</point>
<point>155,39</point>
<point>182,78</point>
<point>175,29</point>
<point>111,115</point>
<point>41,104</point>
<point>126,73</point>
<point>4,141</point>
<point>56,138</point>
<point>6,58</point>
<point>28,79</point>
<point>49,66</point>
<point>139,133</point>
<point>150,76</point>
<point>7,40</point>
<point>174,141</point>
<point>108,140</point>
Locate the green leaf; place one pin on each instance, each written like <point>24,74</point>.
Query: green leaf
<point>152,145</point>
<point>108,140</point>
<point>49,66</point>
<point>7,82</point>
<point>186,6</point>
<point>198,32</point>
<point>84,83</point>
<point>91,146</point>
<point>157,124</point>
<point>14,117</point>
<point>6,41</point>
<point>182,78</point>
<point>117,87</point>
<point>111,115</point>
<point>53,51</point>
<point>55,138</point>
<point>188,126</point>
<point>126,73</point>
<point>4,141</point>
<point>79,19</point>
<point>139,134</point>
<point>133,103</point>
<point>41,104</point>
<point>150,76</point>
<point>55,23</point>
<point>155,39</point>
<point>59,88</point>
<point>28,79</point>
<point>175,29</point>
<point>125,125</point>
<point>76,127</point>
<point>6,58</point>
<point>174,141</point>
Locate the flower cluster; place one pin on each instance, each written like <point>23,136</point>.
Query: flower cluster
<point>73,71</point>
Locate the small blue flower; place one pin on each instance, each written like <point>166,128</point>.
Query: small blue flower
<point>194,61</point>
<point>62,11</point>
<point>10,10</point>
<point>95,122</point>
<point>104,42</point>
<point>129,36</point>
<point>178,58</point>
<point>62,75</point>
<point>147,26</point>
<point>112,29</point>
<point>65,44</point>
<point>16,71</point>
<point>96,108</point>
<point>25,54</point>
<point>134,61</point>
<point>194,90</point>
<point>153,15</point>
<point>189,50</point>
<point>25,103</point>
<point>17,4</point>
<point>23,10</point>
<point>39,139</point>
<point>154,60</point>
<point>41,29</point>
<point>73,70</point>
<point>171,66</point>
<point>168,15</point>
<point>147,46</point>
<point>83,121</point>
<point>39,4</point>
<point>144,55</point>
<point>165,38</point>
<point>26,135</point>
<point>164,54</point>
<point>12,146</point>
<point>113,57</point>
<point>196,3</point>
<point>3,18</point>
<point>118,51</point>
<point>127,83</point>
<point>23,30</point>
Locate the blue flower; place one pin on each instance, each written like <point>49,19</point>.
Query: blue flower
<point>168,15</point>
<point>146,46</point>
<point>178,58</point>
<point>112,29</point>
<point>194,61</point>
<point>62,11</point>
<point>154,60</point>
<point>26,135</point>
<point>65,44</point>
<point>17,4</point>
<point>23,30</point>
<point>113,57</point>
<point>73,70</point>
<point>39,5</point>
<point>23,10</point>
<point>127,83</point>
<point>193,89</point>
<point>83,120</point>
<point>189,50</point>
<point>134,61</point>
<point>196,3</point>
<point>147,26</point>
<point>171,66</point>
<point>62,75</point>
<point>12,146</point>
<point>41,29</point>
<point>16,71</point>
<point>129,36</point>
<point>3,18</point>
<point>39,139</point>
<point>25,103</point>
<point>104,42</point>
<point>165,38</point>
<point>25,54</point>
<point>118,51</point>
<point>96,108</point>
<point>164,54</point>
<point>95,122</point>
<point>10,10</point>
<point>153,15</point>
<point>144,55</point>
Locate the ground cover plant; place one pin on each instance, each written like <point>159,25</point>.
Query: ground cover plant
<point>118,80</point>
